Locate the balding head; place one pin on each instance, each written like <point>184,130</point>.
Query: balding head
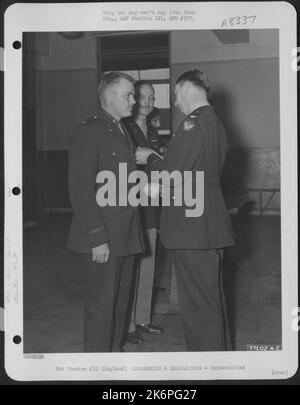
<point>196,78</point>
<point>191,91</point>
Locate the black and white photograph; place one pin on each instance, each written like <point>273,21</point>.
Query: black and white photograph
<point>150,198</point>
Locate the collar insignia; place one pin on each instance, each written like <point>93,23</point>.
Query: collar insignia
<point>188,125</point>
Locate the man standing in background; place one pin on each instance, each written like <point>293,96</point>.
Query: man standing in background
<point>108,237</point>
<point>197,243</point>
<point>144,134</point>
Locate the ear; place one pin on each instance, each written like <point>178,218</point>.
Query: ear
<point>109,96</point>
<point>186,88</point>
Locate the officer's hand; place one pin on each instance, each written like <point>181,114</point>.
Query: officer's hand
<point>100,254</point>
<point>152,190</point>
<point>142,154</point>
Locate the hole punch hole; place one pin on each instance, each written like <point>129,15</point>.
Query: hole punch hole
<point>17,44</point>
<point>16,190</point>
<point>17,339</point>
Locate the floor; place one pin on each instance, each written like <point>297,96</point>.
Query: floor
<point>53,293</point>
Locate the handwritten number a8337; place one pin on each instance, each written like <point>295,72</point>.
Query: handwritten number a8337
<point>238,20</point>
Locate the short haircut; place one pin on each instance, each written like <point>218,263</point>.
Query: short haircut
<point>110,79</point>
<point>196,77</point>
<point>139,83</point>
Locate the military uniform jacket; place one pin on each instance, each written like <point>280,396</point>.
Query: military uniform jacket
<point>199,144</point>
<point>149,215</point>
<point>98,144</point>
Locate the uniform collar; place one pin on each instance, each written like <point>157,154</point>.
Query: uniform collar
<point>201,108</point>
<point>109,118</point>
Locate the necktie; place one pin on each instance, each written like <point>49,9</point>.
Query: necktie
<point>127,136</point>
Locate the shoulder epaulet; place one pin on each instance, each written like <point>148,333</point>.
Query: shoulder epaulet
<point>89,119</point>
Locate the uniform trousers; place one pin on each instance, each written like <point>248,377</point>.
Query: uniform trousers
<point>201,298</point>
<point>141,310</point>
<point>107,301</point>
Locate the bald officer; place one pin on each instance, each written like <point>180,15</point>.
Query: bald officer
<point>197,243</point>
<point>108,237</point>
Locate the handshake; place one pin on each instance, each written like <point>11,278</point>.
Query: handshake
<point>142,154</point>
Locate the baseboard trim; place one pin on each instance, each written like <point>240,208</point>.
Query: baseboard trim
<point>265,213</point>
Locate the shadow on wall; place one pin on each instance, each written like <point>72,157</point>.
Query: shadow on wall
<point>235,170</point>
<point>224,106</point>
<point>246,168</point>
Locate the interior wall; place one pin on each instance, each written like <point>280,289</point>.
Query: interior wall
<point>66,98</point>
<point>66,82</point>
<point>203,45</point>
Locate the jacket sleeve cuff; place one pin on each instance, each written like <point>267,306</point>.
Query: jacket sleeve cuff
<point>153,159</point>
<point>97,237</point>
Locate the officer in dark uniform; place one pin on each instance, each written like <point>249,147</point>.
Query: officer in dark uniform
<point>197,243</point>
<point>110,236</point>
<point>144,134</point>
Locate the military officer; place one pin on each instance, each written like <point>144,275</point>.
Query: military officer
<point>110,236</point>
<point>197,243</point>
<point>144,134</point>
